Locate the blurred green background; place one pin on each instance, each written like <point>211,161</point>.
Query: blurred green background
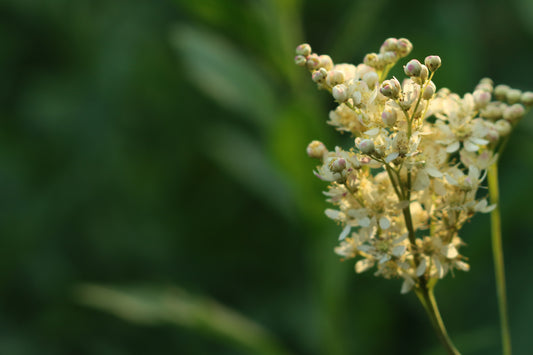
<point>157,149</point>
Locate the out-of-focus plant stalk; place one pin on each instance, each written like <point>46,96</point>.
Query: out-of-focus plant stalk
<point>497,250</point>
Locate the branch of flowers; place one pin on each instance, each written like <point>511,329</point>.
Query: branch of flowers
<point>497,250</point>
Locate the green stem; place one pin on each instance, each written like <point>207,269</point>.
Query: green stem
<point>497,250</point>
<point>427,298</point>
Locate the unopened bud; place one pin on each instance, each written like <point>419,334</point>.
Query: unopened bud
<point>300,60</point>
<point>390,45</point>
<point>335,77</point>
<point>366,146</point>
<point>371,79</point>
<point>412,68</point>
<point>404,47</point>
<point>433,62</point>
<point>340,93</point>
<point>372,60</point>
<point>493,111</point>
<point>326,62</point>
<point>500,92</point>
<point>503,127</point>
<point>514,112</point>
<point>389,57</point>
<point>319,76</point>
<point>424,73</point>
<point>316,150</point>
<point>389,116</point>
<point>481,98</point>
<point>303,49</point>
<point>429,91</point>
<point>513,96</point>
<point>391,88</point>
<point>527,98</point>
<point>337,165</point>
<point>313,61</point>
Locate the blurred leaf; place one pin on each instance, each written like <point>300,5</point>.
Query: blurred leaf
<point>152,306</point>
<point>241,157</point>
<point>224,73</point>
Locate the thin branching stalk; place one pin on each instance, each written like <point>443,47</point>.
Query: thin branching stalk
<point>497,250</point>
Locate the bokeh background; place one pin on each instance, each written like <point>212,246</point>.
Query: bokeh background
<point>156,197</point>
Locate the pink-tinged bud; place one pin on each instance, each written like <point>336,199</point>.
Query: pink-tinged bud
<point>316,150</point>
<point>340,93</point>
<point>335,77</point>
<point>527,98</point>
<point>390,45</point>
<point>514,112</point>
<point>481,98</point>
<point>412,68</point>
<point>326,62</point>
<point>389,117</point>
<point>391,88</point>
<point>337,165</point>
<point>429,91</point>
<point>433,62</point>
<point>319,76</point>
<point>366,146</point>
<point>300,60</point>
<point>303,49</point>
<point>389,57</point>
<point>403,47</point>
<point>313,62</point>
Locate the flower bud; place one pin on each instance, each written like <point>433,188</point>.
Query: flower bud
<point>503,127</point>
<point>303,49</point>
<point>357,98</point>
<point>337,165</point>
<point>372,60</point>
<point>513,96</point>
<point>319,76</point>
<point>389,116</point>
<point>326,62</point>
<point>316,150</point>
<point>481,98</point>
<point>485,84</point>
<point>424,73</point>
<point>412,68</point>
<point>313,62</point>
<point>527,98</point>
<point>514,112</point>
<point>335,77</point>
<point>391,88</point>
<point>493,110</point>
<point>340,93</point>
<point>390,45</point>
<point>371,79</point>
<point>500,92</point>
<point>300,60</point>
<point>404,47</point>
<point>433,62</point>
<point>389,57</point>
<point>429,91</point>
<point>366,146</point>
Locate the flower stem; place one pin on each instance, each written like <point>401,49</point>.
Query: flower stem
<point>427,298</point>
<point>497,251</point>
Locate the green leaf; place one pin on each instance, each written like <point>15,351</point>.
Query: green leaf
<point>224,73</point>
<point>160,305</point>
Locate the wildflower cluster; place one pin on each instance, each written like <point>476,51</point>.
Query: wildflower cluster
<point>411,181</point>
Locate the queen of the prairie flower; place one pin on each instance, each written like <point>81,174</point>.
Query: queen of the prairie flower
<point>411,180</point>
